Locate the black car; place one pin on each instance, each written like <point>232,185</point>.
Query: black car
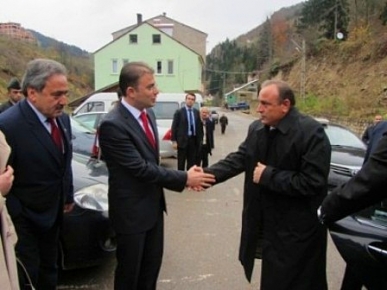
<point>361,238</point>
<point>347,155</point>
<point>86,238</point>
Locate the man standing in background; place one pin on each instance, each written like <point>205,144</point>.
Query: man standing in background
<point>39,134</point>
<point>223,120</point>
<point>366,137</point>
<point>187,133</point>
<point>14,94</point>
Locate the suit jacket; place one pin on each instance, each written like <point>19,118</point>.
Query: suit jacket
<point>43,177</point>
<point>136,181</point>
<point>378,130</point>
<point>5,106</point>
<point>180,127</point>
<point>366,188</point>
<point>285,201</point>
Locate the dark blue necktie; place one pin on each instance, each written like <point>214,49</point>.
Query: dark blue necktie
<point>191,121</point>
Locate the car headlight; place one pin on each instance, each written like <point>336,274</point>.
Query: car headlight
<point>94,197</point>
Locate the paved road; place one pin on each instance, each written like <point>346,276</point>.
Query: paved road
<point>202,235</point>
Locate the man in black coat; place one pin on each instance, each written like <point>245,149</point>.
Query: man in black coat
<point>129,142</point>
<point>43,187</point>
<point>286,158</point>
<point>14,94</point>
<point>366,137</point>
<point>187,133</point>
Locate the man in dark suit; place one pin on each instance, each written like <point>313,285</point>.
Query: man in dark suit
<point>129,143</point>
<point>208,137</point>
<point>39,135</point>
<point>187,133</point>
<point>14,94</point>
<point>286,158</point>
<point>366,137</point>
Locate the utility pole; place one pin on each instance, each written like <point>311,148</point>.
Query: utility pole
<point>302,49</point>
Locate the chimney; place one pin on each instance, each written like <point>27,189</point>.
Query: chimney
<point>139,18</point>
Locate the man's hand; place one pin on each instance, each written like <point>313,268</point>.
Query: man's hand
<point>174,145</point>
<point>6,180</point>
<point>198,180</point>
<point>258,172</point>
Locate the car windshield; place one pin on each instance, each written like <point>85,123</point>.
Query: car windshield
<point>339,136</point>
<point>165,110</point>
<point>76,126</point>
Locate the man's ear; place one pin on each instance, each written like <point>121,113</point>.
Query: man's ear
<point>286,105</point>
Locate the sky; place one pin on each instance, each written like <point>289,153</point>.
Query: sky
<point>89,24</point>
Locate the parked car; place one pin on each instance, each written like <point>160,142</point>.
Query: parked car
<point>92,120</point>
<point>86,238</point>
<point>83,137</point>
<point>347,156</point>
<point>361,238</point>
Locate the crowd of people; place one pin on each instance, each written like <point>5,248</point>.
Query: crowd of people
<point>285,158</point>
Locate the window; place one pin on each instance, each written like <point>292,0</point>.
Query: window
<point>170,67</point>
<point>114,66</point>
<point>165,110</point>
<point>125,61</point>
<point>156,38</point>
<point>133,38</point>
<point>159,67</point>
<point>92,107</point>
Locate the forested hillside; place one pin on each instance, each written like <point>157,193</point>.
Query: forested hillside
<point>333,52</point>
<point>16,54</point>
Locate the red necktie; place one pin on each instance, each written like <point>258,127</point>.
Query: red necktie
<point>148,132</point>
<point>55,134</point>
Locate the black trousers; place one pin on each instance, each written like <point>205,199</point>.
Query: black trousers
<point>204,156</point>
<point>37,249</point>
<point>187,154</point>
<point>223,128</point>
<point>139,258</point>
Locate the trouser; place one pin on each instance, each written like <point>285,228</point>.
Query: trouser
<point>139,258</point>
<point>188,153</point>
<point>37,249</point>
<point>223,128</point>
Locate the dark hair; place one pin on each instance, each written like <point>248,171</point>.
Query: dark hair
<point>190,94</point>
<point>284,90</point>
<point>39,71</point>
<point>131,73</point>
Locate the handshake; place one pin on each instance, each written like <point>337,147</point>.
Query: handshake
<point>198,180</point>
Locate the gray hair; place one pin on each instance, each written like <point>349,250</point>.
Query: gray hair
<point>284,90</point>
<point>39,71</point>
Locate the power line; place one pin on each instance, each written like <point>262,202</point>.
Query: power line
<point>227,72</point>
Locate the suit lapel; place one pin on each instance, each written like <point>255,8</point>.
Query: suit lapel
<point>39,131</point>
<point>134,125</point>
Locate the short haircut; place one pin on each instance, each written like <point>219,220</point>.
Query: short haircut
<point>284,90</point>
<point>39,71</point>
<point>131,73</point>
<point>190,94</point>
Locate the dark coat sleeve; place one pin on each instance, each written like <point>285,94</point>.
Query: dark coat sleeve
<point>364,189</point>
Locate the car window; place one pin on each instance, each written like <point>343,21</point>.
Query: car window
<point>92,107</point>
<point>339,136</point>
<point>77,127</point>
<point>165,110</point>
<point>88,120</point>
<point>376,213</point>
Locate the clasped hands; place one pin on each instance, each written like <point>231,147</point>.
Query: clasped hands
<point>198,180</point>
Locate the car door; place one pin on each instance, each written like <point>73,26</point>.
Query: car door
<point>361,240</point>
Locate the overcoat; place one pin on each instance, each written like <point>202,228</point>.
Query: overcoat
<point>284,203</point>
